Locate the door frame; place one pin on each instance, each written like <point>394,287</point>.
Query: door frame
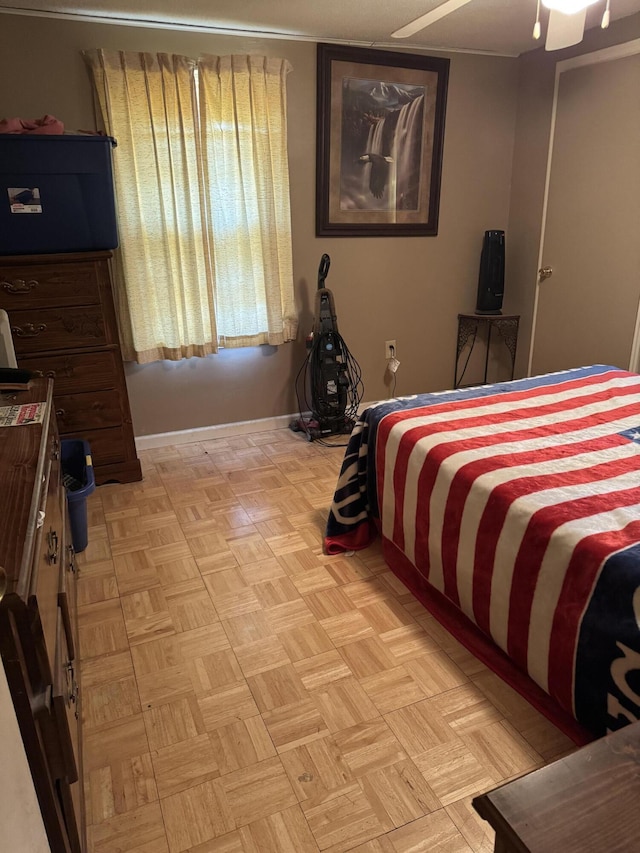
<point>607,54</point>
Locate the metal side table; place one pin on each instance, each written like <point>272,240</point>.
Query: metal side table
<point>506,328</point>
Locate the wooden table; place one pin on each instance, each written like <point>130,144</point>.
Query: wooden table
<point>588,801</point>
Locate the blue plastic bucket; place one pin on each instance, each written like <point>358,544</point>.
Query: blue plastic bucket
<point>80,482</point>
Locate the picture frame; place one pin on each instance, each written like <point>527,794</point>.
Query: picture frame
<point>380,135</point>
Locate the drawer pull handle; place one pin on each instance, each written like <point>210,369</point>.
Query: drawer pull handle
<point>29,330</point>
<point>19,285</point>
<point>61,413</point>
<point>74,693</point>
<point>52,541</point>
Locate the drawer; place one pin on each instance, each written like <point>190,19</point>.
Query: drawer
<point>59,734</point>
<point>108,446</point>
<point>67,592</point>
<point>33,286</point>
<point>73,373</point>
<point>65,697</point>
<point>65,707</point>
<point>95,410</point>
<point>36,330</point>
<point>45,577</point>
<point>71,800</point>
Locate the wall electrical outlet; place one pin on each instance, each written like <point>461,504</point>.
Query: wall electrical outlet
<point>390,350</point>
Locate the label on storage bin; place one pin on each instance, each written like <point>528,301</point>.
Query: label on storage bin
<point>24,199</point>
<point>28,413</point>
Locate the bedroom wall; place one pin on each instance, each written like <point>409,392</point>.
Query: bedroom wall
<point>410,289</point>
<point>535,102</point>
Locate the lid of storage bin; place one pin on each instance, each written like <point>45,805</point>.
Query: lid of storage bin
<point>57,137</point>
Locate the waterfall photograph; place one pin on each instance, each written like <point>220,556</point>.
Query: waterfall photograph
<point>381,145</point>
<point>380,125</point>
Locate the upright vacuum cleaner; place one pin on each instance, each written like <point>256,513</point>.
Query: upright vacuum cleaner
<point>329,371</point>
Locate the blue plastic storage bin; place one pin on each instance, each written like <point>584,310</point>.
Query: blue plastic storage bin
<point>80,482</point>
<point>56,194</point>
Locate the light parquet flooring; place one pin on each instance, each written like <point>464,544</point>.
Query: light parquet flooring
<point>244,692</point>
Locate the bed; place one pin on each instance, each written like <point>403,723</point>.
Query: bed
<point>514,509</point>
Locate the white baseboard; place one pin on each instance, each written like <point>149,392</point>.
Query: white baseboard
<point>187,436</point>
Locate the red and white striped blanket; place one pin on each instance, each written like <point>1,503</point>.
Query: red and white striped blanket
<point>520,503</point>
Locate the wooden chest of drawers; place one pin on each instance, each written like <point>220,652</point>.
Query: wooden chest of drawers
<point>63,323</point>
<point>38,645</point>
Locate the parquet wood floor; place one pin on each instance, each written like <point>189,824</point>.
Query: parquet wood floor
<point>244,692</point>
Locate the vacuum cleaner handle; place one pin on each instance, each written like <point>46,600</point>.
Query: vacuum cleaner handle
<point>323,270</point>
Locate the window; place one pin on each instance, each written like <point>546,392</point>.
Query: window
<point>202,188</point>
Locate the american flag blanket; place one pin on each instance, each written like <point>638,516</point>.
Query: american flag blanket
<point>520,502</point>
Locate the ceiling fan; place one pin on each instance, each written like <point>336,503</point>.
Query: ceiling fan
<point>566,21</point>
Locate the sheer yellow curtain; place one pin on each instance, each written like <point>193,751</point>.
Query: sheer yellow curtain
<point>165,292</point>
<point>246,176</point>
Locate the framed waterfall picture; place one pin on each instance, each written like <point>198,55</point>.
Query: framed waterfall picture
<point>380,127</point>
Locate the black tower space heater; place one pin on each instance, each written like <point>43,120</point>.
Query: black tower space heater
<point>491,278</point>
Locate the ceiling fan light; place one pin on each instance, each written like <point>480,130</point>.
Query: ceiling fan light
<point>564,30</point>
<point>605,18</point>
<point>568,7</point>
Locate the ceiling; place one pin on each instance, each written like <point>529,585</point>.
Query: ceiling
<point>489,26</point>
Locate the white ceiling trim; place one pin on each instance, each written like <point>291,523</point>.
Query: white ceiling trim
<point>145,23</point>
